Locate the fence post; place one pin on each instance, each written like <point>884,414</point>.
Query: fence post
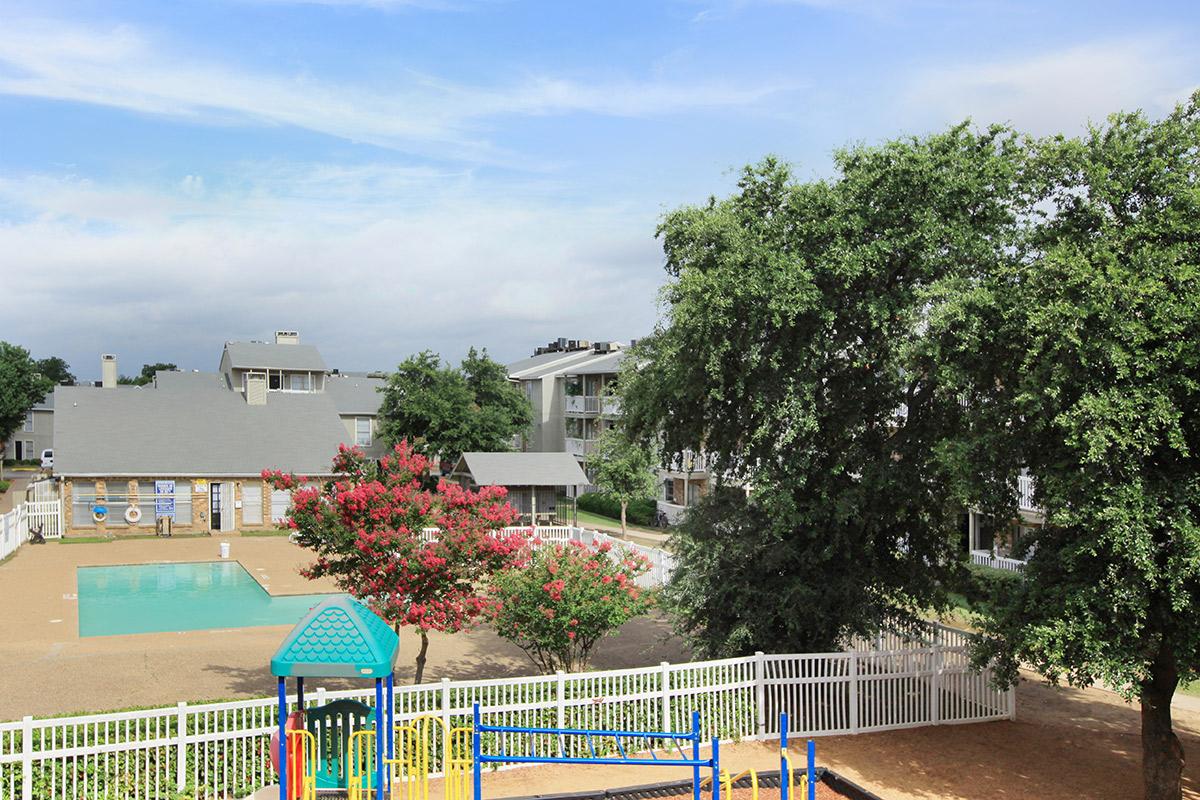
<point>760,696</point>
<point>446,702</point>
<point>854,691</point>
<point>180,746</point>
<point>27,758</point>
<point>935,684</point>
<point>560,698</point>
<point>665,671</point>
<point>1012,703</point>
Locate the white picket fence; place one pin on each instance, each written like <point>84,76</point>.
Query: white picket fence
<point>662,563</point>
<point>219,750</point>
<point>15,525</point>
<point>986,558</point>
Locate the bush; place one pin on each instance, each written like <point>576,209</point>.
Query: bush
<point>567,599</point>
<point>984,587</point>
<point>4,486</point>
<point>640,512</point>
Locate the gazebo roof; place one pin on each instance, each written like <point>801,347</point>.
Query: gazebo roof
<point>339,638</point>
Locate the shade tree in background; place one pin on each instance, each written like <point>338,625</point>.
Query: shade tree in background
<point>451,410</point>
<point>56,370</point>
<point>21,386</point>
<point>623,469</point>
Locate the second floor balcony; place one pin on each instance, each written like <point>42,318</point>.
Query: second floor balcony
<point>581,405</point>
<point>579,448</point>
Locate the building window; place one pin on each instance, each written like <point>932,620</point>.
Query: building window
<point>669,491</point>
<point>146,502</point>
<point>274,381</point>
<point>252,504</point>
<point>362,431</point>
<point>183,501</point>
<point>83,497</point>
<point>28,425</point>
<point>298,382</point>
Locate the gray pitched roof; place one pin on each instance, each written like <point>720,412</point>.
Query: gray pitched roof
<point>190,424</point>
<point>522,469</point>
<point>355,395</point>
<point>600,365</point>
<point>262,355</point>
<point>548,364</point>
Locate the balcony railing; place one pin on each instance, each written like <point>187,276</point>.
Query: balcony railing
<point>582,404</point>
<point>580,447</point>
<point>1025,493</point>
<point>986,558</point>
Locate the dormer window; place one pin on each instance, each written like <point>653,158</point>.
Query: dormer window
<point>298,382</point>
<point>274,381</point>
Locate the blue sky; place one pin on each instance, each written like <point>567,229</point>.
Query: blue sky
<point>392,175</point>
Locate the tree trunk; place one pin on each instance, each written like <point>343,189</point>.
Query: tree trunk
<point>1162,754</point>
<point>624,505</point>
<point>421,656</point>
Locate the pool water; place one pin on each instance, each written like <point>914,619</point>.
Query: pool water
<point>153,598</point>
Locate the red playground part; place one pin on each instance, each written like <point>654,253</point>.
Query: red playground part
<point>295,722</point>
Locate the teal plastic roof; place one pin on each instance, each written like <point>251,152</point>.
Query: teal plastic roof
<point>339,638</point>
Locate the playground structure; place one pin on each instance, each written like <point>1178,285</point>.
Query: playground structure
<point>348,746</point>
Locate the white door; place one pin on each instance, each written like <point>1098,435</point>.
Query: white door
<point>227,518</point>
<point>280,500</point>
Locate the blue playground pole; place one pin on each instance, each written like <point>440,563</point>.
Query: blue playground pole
<point>695,755</point>
<point>283,783</point>
<point>716,759</point>
<point>477,773</point>
<point>783,764</point>
<point>391,721</point>
<point>378,739</point>
<point>812,761</point>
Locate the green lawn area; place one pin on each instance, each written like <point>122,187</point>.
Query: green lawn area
<point>588,518</point>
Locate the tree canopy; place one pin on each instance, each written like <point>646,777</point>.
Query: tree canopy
<point>449,410</point>
<point>146,376</point>
<point>21,386</point>
<point>786,354</point>
<point>1081,362</point>
<point>624,469</point>
<point>871,353</point>
<point>56,370</point>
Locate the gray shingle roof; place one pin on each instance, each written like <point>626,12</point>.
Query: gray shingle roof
<point>355,395</point>
<point>548,364</point>
<point>522,469</point>
<point>190,424</point>
<point>262,355</point>
<point>601,365</point>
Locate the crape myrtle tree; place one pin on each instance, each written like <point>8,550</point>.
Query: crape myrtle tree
<point>623,469</point>
<point>1081,362</point>
<point>786,353</point>
<point>451,410</point>
<point>568,598</point>
<point>21,386</point>
<point>365,526</point>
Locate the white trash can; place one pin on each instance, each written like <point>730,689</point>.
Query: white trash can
<point>224,549</point>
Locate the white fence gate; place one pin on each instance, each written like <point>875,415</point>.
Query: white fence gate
<point>219,750</point>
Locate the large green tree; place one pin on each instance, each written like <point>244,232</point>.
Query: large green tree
<point>146,376</point>
<point>451,410</point>
<point>786,354</point>
<point>1081,362</point>
<point>21,386</point>
<point>624,469</point>
<point>56,370</point>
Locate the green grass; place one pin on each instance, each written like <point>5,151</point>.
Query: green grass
<point>588,518</point>
<point>86,539</point>
<point>252,534</point>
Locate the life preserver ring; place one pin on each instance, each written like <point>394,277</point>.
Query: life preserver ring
<point>99,513</point>
<point>133,515</point>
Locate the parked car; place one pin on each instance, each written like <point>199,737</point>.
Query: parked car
<point>47,459</point>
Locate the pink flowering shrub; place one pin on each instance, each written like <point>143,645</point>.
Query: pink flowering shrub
<point>565,600</point>
<point>365,527</point>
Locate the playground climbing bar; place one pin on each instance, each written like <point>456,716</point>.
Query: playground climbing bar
<point>589,738</point>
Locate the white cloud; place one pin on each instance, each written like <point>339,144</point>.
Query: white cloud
<point>121,67</point>
<point>1060,91</point>
<point>109,267</point>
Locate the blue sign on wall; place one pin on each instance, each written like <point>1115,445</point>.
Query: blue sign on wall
<point>164,499</point>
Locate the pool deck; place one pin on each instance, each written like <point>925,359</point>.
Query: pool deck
<point>49,669</point>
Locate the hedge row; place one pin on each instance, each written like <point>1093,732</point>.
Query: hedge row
<point>640,512</point>
<point>985,585</point>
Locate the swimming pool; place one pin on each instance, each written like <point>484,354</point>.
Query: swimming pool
<point>155,598</point>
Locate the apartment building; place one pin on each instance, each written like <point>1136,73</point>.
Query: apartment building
<point>572,384</point>
<point>35,434</point>
<point>191,446</point>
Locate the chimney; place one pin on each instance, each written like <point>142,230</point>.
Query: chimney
<point>108,370</point>
<point>287,337</point>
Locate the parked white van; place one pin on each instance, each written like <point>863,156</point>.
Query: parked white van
<point>47,459</point>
